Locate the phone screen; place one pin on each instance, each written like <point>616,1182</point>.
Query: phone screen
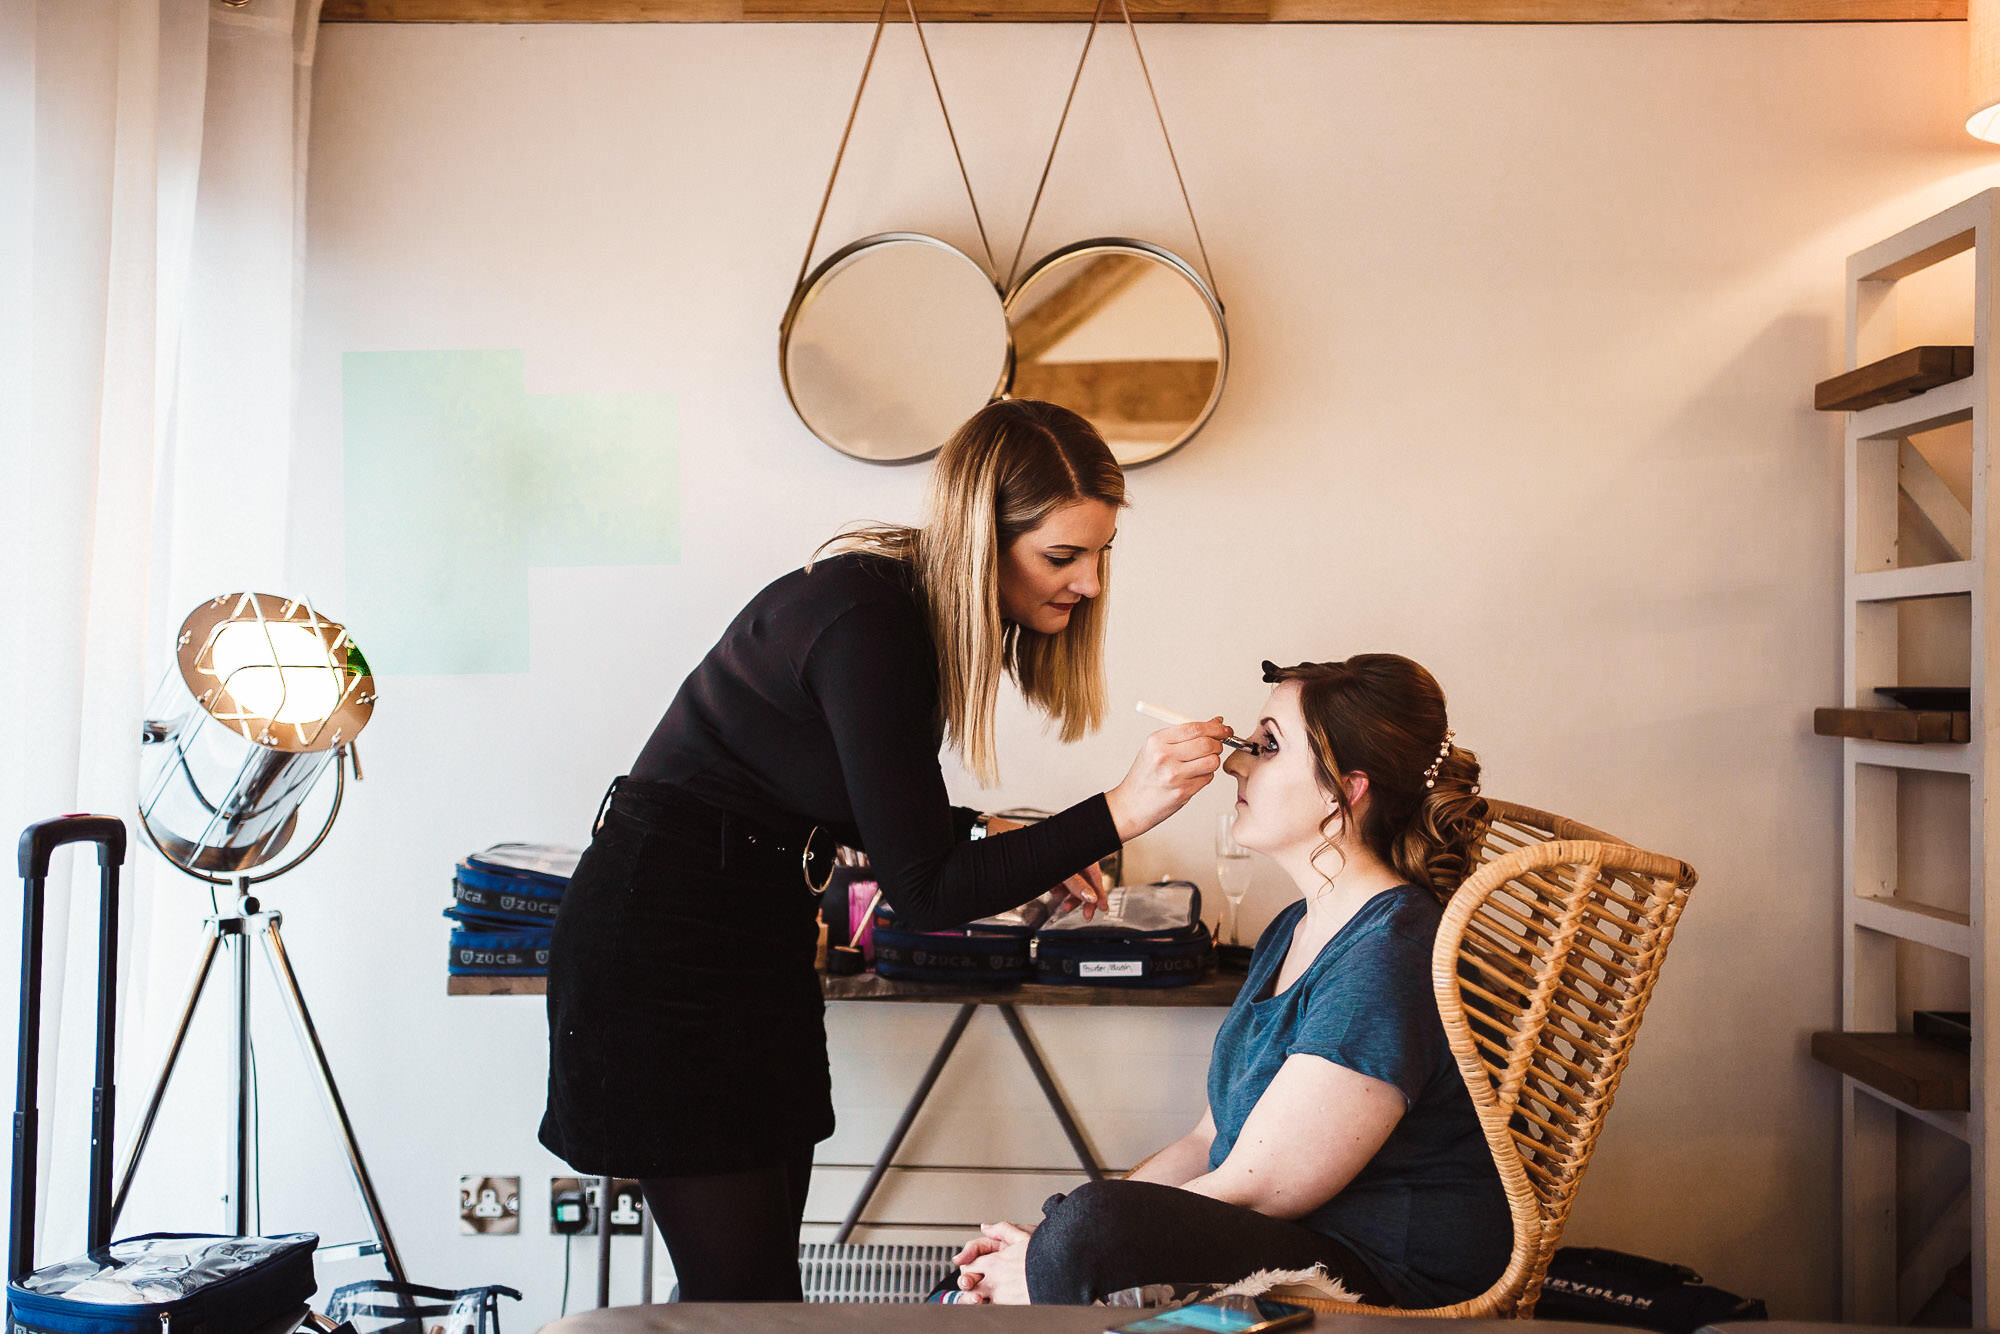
<point>1222,1315</point>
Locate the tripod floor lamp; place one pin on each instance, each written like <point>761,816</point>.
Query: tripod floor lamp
<point>264,696</point>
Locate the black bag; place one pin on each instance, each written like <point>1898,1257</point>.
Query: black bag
<point>1612,1288</point>
<point>161,1283</point>
<point>991,952</point>
<point>1143,936</point>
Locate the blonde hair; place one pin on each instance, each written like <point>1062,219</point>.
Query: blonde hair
<point>1002,474</point>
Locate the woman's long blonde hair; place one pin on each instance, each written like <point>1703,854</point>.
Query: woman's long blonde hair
<point>1002,474</point>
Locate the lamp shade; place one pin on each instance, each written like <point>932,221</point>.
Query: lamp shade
<point>263,694</point>
<point>1983,25</point>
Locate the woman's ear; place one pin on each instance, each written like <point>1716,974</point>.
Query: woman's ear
<point>1356,784</point>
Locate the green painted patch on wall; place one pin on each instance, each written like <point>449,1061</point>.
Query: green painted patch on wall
<point>459,481</point>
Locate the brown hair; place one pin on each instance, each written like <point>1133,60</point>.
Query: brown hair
<point>1383,715</point>
<point>1002,474</point>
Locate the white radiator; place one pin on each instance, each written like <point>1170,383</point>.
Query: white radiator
<point>835,1272</point>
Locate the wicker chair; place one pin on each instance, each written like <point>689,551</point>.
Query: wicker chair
<point>1544,962</point>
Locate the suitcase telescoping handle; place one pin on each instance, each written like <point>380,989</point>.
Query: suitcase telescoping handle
<point>38,843</point>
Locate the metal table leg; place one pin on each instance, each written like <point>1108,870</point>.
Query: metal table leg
<point>603,1242</point>
<point>1049,1090</point>
<point>916,1104</point>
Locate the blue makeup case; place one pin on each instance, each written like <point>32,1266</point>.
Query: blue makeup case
<point>167,1283</point>
<point>1145,936</point>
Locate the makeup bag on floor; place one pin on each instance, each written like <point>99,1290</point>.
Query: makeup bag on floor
<point>381,1306</point>
<point>160,1283</point>
<point>1604,1287</point>
<point>1144,936</point>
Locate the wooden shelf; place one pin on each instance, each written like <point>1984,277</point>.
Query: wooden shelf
<point>1902,376</point>
<point>1912,726</point>
<point>1910,1069</point>
<point>1214,989</point>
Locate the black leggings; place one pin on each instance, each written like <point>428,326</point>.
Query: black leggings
<point>1108,1235</point>
<point>734,1237</point>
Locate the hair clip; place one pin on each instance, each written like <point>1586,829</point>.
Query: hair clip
<point>1444,749</point>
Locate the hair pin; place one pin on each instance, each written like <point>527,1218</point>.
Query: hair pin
<point>1444,749</point>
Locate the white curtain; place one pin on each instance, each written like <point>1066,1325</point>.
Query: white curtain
<point>152,159</point>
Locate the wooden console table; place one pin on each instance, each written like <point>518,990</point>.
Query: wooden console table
<point>1214,990</point>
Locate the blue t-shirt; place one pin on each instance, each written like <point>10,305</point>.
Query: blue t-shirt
<point>1427,1213</point>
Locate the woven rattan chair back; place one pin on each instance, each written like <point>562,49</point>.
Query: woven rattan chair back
<point>1543,966</point>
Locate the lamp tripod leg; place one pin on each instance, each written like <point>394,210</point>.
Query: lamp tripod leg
<point>241,1070</point>
<point>195,988</point>
<point>295,1004</point>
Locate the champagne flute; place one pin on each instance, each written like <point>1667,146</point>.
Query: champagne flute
<point>1232,870</point>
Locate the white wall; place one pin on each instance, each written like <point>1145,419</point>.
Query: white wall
<point>1525,326</point>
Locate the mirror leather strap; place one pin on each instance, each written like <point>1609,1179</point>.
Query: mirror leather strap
<point>881,20</point>
<point>1095,15</point>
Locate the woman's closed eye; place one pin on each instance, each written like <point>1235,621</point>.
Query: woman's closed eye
<point>1069,560</point>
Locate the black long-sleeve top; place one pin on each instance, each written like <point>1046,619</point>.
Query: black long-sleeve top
<point>821,702</point>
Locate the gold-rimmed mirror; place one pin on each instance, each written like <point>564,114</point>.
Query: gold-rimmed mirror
<point>1126,334</point>
<point>890,344</point>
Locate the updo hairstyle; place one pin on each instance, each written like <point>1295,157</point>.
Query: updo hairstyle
<point>1383,715</point>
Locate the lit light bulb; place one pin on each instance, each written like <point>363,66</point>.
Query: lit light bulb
<point>276,670</point>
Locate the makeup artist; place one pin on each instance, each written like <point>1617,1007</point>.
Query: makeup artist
<point>687,1037</point>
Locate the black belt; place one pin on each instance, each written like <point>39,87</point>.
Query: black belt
<point>773,843</point>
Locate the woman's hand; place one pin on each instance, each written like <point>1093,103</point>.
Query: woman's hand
<point>1174,763</point>
<point>993,1267</point>
<point>1086,887</point>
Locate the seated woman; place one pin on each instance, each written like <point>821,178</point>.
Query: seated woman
<point>1338,1130</point>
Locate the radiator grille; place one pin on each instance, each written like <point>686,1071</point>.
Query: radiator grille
<point>835,1272</point>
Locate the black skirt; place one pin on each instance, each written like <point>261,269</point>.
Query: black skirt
<point>687,1033</point>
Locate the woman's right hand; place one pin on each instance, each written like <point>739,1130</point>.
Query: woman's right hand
<point>1174,763</point>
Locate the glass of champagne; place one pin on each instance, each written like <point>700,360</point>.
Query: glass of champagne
<point>1232,871</point>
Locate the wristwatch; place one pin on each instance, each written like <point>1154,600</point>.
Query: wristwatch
<point>978,829</point>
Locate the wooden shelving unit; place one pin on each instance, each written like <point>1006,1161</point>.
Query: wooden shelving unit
<point>1903,726</point>
<point>1912,1070</point>
<point>1892,395</point>
<point>1894,378</point>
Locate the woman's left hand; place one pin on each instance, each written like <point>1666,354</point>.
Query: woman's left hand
<point>1085,888</point>
<point>994,1267</point>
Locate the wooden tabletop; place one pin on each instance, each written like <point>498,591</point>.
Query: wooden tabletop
<point>1215,989</point>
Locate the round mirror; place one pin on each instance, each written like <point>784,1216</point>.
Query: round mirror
<point>891,344</point>
<point>1127,335</point>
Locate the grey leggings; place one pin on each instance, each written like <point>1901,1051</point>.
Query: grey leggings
<point>1108,1235</point>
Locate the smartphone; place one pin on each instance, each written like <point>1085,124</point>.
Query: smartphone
<point>1236,1315</point>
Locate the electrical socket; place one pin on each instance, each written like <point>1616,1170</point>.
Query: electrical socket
<point>489,1206</point>
<point>626,1214</point>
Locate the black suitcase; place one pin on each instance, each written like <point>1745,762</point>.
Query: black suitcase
<point>169,1283</point>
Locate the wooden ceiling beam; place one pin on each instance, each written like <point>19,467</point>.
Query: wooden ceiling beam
<point>1152,11</point>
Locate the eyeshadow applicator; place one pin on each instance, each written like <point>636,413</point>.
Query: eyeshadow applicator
<point>1169,716</point>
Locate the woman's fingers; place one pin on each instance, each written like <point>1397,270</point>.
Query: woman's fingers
<point>1005,1233</point>
<point>975,1248</point>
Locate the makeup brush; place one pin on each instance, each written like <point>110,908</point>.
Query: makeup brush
<point>1169,716</point>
